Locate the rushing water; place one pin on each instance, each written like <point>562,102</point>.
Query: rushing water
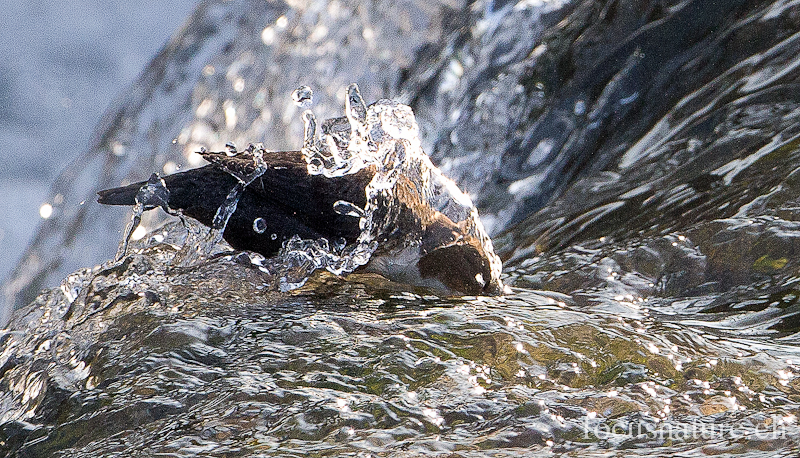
<point>636,162</point>
<point>135,356</point>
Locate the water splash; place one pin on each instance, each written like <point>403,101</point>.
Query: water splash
<point>259,225</point>
<point>405,191</point>
<point>153,194</point>
<point>203,246</point>
<point>385,138</point>
<point>303,97</point>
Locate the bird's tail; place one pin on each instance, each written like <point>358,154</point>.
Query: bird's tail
<point>197,193</point>
<point>125,195</point>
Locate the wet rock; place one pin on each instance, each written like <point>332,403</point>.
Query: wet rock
<point>623,374</point>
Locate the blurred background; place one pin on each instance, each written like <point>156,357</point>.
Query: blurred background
<point>63,63</point>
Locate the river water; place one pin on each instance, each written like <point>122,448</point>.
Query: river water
<point>636,164</point>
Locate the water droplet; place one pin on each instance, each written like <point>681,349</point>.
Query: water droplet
<point>204,108</point>
<point>274,236</point>
<point>309,132</point>
<point>368,34</point>
<point>230,148</point>
<point>303,96</point>
<point>46,211</point>
<point>139,233</point>
<point>231,118</point>
<point>238,84</point>
<point>339,243</point>
<point>259,225</point>
<point>118,149</point>
<point>355,107</point>
<point>281,22</point>
<point>345,208</point>
<point>268,35</point>
<point>580,108</point>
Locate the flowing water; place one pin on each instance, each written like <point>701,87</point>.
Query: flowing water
<point>639,174</point>
<point>134,356</point>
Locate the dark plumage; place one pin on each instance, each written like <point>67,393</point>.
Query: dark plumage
<point>289,199</point>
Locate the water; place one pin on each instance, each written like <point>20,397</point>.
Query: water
<point>407,191</point>
<point>230,149</point>
<point>215,364</point>
<point>53,91</point>
<point>348,209</point>
<point>220,82</point>
<point>152,195</point>
<point>259,225</point>
<point>303,97</point>
<point>403,190</point>
<point>637,168</point>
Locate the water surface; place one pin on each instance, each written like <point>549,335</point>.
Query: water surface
<point>635,163</point>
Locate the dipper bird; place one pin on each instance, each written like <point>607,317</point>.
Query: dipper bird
<point>288,199</point>
<point>293,202</point>
<point>280,197</point>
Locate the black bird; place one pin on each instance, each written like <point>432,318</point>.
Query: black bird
<point>293,202</point>
<point>285,196</point>
<point>417,245</point>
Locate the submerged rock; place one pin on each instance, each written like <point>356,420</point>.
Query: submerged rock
<point>136,356</point>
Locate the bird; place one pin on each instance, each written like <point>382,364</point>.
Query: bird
<point>288,199</point>
<point>281,198</point>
